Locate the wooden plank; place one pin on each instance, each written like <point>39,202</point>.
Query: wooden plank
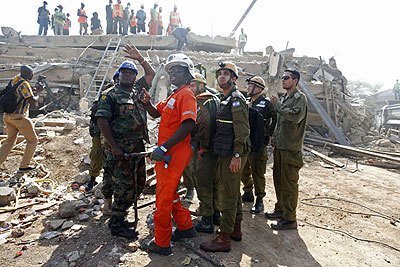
<point>354,151</point>
<point>325,158</point>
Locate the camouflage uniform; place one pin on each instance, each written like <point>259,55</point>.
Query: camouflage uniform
<point>204,178</point>
<point>127,118</point>
<point>232,136</point>
<point>288,143</point>
<point>254,170</point>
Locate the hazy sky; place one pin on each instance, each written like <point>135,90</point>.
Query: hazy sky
<point>363,35</point>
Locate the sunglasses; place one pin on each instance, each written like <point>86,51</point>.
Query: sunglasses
<point>176,69</point>
<point>286,77</point>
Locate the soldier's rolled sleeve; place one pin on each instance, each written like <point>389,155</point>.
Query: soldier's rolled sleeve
<point>294,114</point>
<point>104,108</point>
<point>241,126</point>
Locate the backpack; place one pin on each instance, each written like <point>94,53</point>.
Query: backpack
<point>256,121</point>
<point>7,98</point>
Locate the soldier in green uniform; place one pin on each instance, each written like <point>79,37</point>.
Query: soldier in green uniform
<point>204,158</point>
<point>288,144</point>
<point>189,174</point>
<point>231,144</point>
<point>254,170</point>
<point>122,120</point>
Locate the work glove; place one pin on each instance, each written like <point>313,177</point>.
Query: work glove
<point>159,153</point>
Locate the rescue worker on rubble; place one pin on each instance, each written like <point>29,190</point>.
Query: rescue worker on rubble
<point>180,34</point>
<point>204,158</point>
<point>125,21</point>
<point>141,19</point>
<point>109,17</point>
<point>82,20</point>
<point>19,121</point>
<point>231,144</point>
<point>67,25</point>
<point>95,24</point>
<point>160,22</point>
<point>174,20</point>
<point>122,120</point>
<point>178,116</point>
<point>59,18</point>
<point>132,22</point>
<point>153,26</point>
<point>288,143</point>
<point>255,167</point>
<point>118,15</point>
<point>43,19</point>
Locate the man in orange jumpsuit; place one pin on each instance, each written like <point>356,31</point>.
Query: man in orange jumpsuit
<point>178,116</point>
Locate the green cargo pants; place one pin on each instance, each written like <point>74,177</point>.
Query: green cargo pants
<point>229,199</point>
<point>253,172</point>
<point>205,183</point>
<point>286,176</point>
<point>188,175</point>
<point>96,157</point>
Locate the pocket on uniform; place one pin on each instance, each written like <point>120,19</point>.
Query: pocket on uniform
<point>294,158</point>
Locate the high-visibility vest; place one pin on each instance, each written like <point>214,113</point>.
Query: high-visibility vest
<point>132,21</point>
<point>118,11</point>
<point>82,19</point>
<point>67,24</point>
<point>174,18</point>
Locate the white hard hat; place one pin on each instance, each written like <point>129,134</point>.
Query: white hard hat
<point>180,60</point>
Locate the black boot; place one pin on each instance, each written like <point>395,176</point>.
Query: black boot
<point>248,197</point>
<point>125,222</point>
<point>154,248</point>
<point>217,218</point>
<point>90,184</point>
<point>205,225</point>
<point>258,207</point>
<point>118,228</point>
<point>179,234</point>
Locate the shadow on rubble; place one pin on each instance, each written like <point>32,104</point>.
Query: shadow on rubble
<point>263,246</point>
<point>86,243</point>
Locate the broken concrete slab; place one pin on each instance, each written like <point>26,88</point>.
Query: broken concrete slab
<point>83,217</point>
<point>66,225</point>
<point>7,194</point>
<point>67,209</point>
<point>54,225</point>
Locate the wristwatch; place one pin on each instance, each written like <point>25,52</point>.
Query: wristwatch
<point>236,155</point>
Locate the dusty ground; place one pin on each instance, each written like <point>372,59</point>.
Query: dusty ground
<point>376,188</point>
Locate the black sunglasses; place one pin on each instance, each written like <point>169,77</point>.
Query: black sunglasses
<point>286,77</point>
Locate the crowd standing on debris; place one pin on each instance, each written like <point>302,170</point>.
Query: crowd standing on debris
<point>120,20</point>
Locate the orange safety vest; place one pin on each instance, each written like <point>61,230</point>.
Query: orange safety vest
<point>67,24</point>
<point>118,11</point>
<point>133,22</point>
<point>174,18</point>
<point>82,19</point>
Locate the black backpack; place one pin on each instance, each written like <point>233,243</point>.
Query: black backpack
<point>7,98</point>
<point>256,121</point>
